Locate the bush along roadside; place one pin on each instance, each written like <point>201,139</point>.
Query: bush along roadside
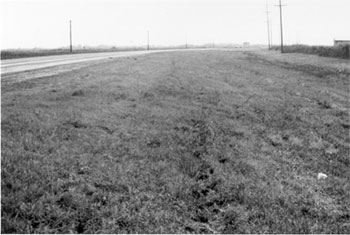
<point>341,51</point>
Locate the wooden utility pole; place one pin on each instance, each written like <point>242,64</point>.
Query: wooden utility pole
<point>268,27</point>
<point>271,42</point>
<point>280,6</point>
<point>147,40</point>
<point>70,34</point>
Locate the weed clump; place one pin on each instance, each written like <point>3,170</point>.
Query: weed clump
<point>78,93</point>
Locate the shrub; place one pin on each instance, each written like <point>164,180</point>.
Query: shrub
<point>341,51</point>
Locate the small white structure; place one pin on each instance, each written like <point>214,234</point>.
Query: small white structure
<point>321,176</point>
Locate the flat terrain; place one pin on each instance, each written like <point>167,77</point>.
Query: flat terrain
<point>178,142</point>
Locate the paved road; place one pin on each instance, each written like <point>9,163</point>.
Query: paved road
<point>32,63</point>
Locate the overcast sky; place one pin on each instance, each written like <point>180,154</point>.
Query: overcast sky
<point>45,23</point>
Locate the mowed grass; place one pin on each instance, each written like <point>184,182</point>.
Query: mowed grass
<point>180,142</point>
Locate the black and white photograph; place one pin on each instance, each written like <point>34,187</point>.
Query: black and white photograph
<point>175,116</point>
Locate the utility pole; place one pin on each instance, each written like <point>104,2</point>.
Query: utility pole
<point>147,40</point>
<point>271,33</point>
<point>70,34</point>
<point>268,27</point>
<point>280,6</point>
<point>186,40</point>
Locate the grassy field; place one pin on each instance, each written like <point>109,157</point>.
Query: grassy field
<point>180,142</point>
<point>325,51</point>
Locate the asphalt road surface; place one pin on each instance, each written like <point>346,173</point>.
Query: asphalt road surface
<point>32,63</point>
